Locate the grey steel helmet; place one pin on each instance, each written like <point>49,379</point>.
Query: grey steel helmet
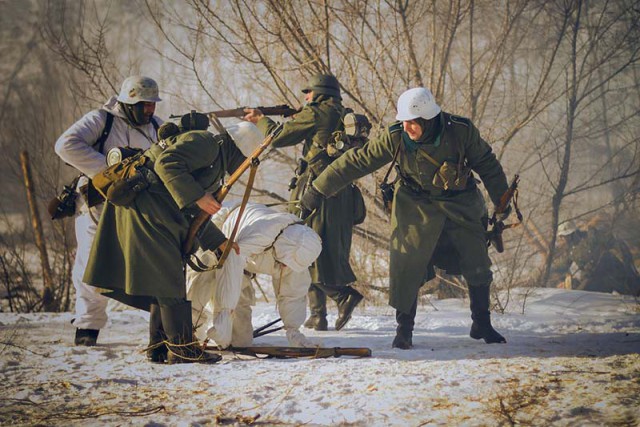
<point>324,84</point>
<point>567,228</point>
<point>138,88</point>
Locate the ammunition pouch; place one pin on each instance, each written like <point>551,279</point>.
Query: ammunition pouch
<point>451,176</point>
<point>300,170</point>
<point>121,182</point>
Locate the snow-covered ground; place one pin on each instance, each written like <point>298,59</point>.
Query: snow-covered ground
<point>571,359</point>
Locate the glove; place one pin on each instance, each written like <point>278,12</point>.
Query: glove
<point>312,199</point>
<point>504,215</point>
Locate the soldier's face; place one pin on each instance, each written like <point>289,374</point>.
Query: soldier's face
<point>149,109</point>
<point>308,97</point>
<point>413,129</point>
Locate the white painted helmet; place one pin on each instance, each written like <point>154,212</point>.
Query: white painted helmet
<point>138,88</point>
<point>567,228</point>
<point>417,102</point>
<point>247,136</point>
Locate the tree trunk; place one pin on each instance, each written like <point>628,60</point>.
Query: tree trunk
<point>48,299</point>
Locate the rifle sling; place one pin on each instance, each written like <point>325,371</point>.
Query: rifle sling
<point>245,199</point>
<point>393,162</point>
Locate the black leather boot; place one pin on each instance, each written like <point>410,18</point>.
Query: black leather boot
<point>86,337</point>
<point>404,331</point>
<point>346,297</point>
<point>481,316</point>
<point>157,351</point>
<point>181,346</point>
<point>318,308</point>
<point>347,302</point>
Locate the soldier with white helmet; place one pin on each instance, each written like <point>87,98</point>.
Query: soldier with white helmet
<point>127,120</point>
<point>436,205</point>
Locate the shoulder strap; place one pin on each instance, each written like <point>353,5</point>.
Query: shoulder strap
<point>155,124</point>
<point>105,133</point>
<point>393,162</point>
<point>432,160</point>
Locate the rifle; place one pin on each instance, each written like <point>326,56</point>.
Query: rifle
<point>277,110</point>
<point>203,217</point>
<point>297,352</point>
<point>494,236</point>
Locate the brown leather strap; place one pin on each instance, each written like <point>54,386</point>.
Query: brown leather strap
<point>245,199</point>
<point>393,161</point>
<point>432,160</point>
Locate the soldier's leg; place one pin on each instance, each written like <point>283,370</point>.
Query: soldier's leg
<point>475,265</point>
<point>91,306</point>
<point>225,298</point>
<point>177,323</point>
<point>318,309</point>
<point>157,351</point>
<point>200,290</point>
<point>404,330</point>
<point>291,295</point>
<point>346,297</point>
<point>242,332</point>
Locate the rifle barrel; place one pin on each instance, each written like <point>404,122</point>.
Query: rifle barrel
<point>277,110</point>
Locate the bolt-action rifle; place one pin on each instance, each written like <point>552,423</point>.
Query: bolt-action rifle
<point>494,236</point>
<point>277,110</point>
<point>203,217</point>
<point>296,352</point>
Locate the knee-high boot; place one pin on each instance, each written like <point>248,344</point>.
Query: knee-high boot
<point>346,297</point>
<point>404,330</point>
<point>318,308</point>
<point>181,346</point>
<point>481,316</point>
<point>157,352</point>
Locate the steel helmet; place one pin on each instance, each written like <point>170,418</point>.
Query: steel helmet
<point>417,102</point>
<point>247,136</point>
<point>324,84</point>
<point>567,228</point>
<point>138,88</point>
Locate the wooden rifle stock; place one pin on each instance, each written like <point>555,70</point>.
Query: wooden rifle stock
<point>277,110</point>
<point>505,199</point>
<point>295,352</point>
<point>494,235</point>
<point>219,195</point>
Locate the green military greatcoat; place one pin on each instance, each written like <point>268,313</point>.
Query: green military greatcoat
<point>137,249</point>
<point>420,210</point>
<point>334,220</point>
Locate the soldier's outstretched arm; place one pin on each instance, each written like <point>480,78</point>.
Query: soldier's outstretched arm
<point>293,132</point>
<point>358,162</point>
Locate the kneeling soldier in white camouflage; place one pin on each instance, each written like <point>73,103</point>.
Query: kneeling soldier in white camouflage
<point>270,243</point>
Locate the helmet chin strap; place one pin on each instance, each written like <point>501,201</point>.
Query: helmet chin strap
<point>135,113</point>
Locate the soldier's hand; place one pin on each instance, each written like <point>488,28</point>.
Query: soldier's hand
<point>234,246</point>
<point>252,115</point>
<point>501,216</point>
<point>208,203</point>
<point>311,200</point>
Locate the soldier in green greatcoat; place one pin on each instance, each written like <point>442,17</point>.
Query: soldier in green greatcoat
<point>137,252</point>
<point>313,126</point>
<point>435,200</point>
